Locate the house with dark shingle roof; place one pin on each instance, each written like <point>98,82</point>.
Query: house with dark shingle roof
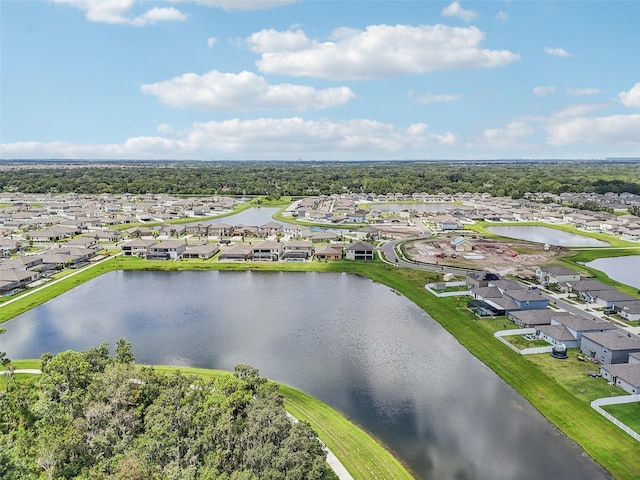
<point>623,375</point>
<point>610,347</point>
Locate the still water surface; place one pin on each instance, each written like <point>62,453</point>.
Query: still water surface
<point>547,235</point>
<point>254,216</point>
<point>621,269</point>
<point>352,343</point>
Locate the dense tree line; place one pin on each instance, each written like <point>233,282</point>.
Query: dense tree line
<point>310,178</point>
<point>93,416</point>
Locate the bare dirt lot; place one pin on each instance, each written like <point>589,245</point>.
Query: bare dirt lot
<point>504,257</point>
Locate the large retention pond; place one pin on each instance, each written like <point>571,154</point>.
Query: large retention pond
<point>546,235</point>
<point>356,345</point>
<point>621,269</point>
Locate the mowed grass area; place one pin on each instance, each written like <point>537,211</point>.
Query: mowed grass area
<point>627,413</point>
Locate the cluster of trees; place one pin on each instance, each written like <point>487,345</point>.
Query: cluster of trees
<point>275,179</point>
<point>93,416</point>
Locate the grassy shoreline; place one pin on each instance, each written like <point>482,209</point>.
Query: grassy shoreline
<point>572,414</point>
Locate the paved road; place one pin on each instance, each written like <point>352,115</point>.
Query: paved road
<point>389,254</point>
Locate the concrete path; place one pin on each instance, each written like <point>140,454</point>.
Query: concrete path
<point>33,371</point>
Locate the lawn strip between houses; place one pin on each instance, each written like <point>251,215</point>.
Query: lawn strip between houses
<point>550,394</point>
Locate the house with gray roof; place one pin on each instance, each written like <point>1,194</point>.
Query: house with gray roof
<point>267,251</point>
<point>533,318</point>
<point>623,375</point>
<point>578,326</point>
<point>527,299</point>
<point>628,310</point>
<point>202,252</point>
<point>360,251</point>
<point>137,248</point>
<point>555,275</point>
<point>237,253</point>
<point>166,250</point>
<point>610,347</point>
<point>557,335</point>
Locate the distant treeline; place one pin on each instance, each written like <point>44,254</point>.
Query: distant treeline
<point>277,179</point>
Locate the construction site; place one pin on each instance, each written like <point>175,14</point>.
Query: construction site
<point>506,257</point>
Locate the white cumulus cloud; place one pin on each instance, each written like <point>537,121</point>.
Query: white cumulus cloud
<point>240,4</point>
<point>425,98</point>
<point>454,9</point>
<point>377,52</point>
<point>543,91</point>
<point>243,91</point>
<point>557,52</point>
<point>118,12</point>
<point>613,130</point>
<point>513,136</point>
<point>261,138</point>
<point>577,92</point>
<point>632,97</point>
<point>211,41</point>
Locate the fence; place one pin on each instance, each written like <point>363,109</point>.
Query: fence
<point>616,401</point>
<point>461,293</point>
<point>521,331</point>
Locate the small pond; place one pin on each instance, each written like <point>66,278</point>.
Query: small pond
<point>546,235</point>
<point>621,269</point>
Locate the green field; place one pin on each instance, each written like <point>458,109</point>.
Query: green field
<point>627,413</point>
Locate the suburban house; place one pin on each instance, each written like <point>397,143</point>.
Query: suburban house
<point>329,252</point>
<point>237,253</point>
<point>606,298</point>
<point>580,286</point>
<point>555,275</point>
<point>360,251</point>
<point>297,250</point>
<point>322,237</point>
<point>628,310</point>
<point>447,222</point>
<point>198,229</point>
<point>270,229</point>
<point>166,250</point>
<point>137,248</point>
<point>557,335</point>
<point>267,251</point>
<point>534,318</point>
<point>610,347</point>
<point>297,231</point>
<point>527,299</point>
<point>106,235</point>
<point>11,280</point>
<point>220,230</point>
<point>578,326</point>
<point>481,279</point>
<point>623,375</point>
<point>369,233</point>
<point>203,252</point>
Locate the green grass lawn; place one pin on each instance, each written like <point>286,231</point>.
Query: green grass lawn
<point>627,413</point>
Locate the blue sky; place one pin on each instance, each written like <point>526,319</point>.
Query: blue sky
<point>319,80</point>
